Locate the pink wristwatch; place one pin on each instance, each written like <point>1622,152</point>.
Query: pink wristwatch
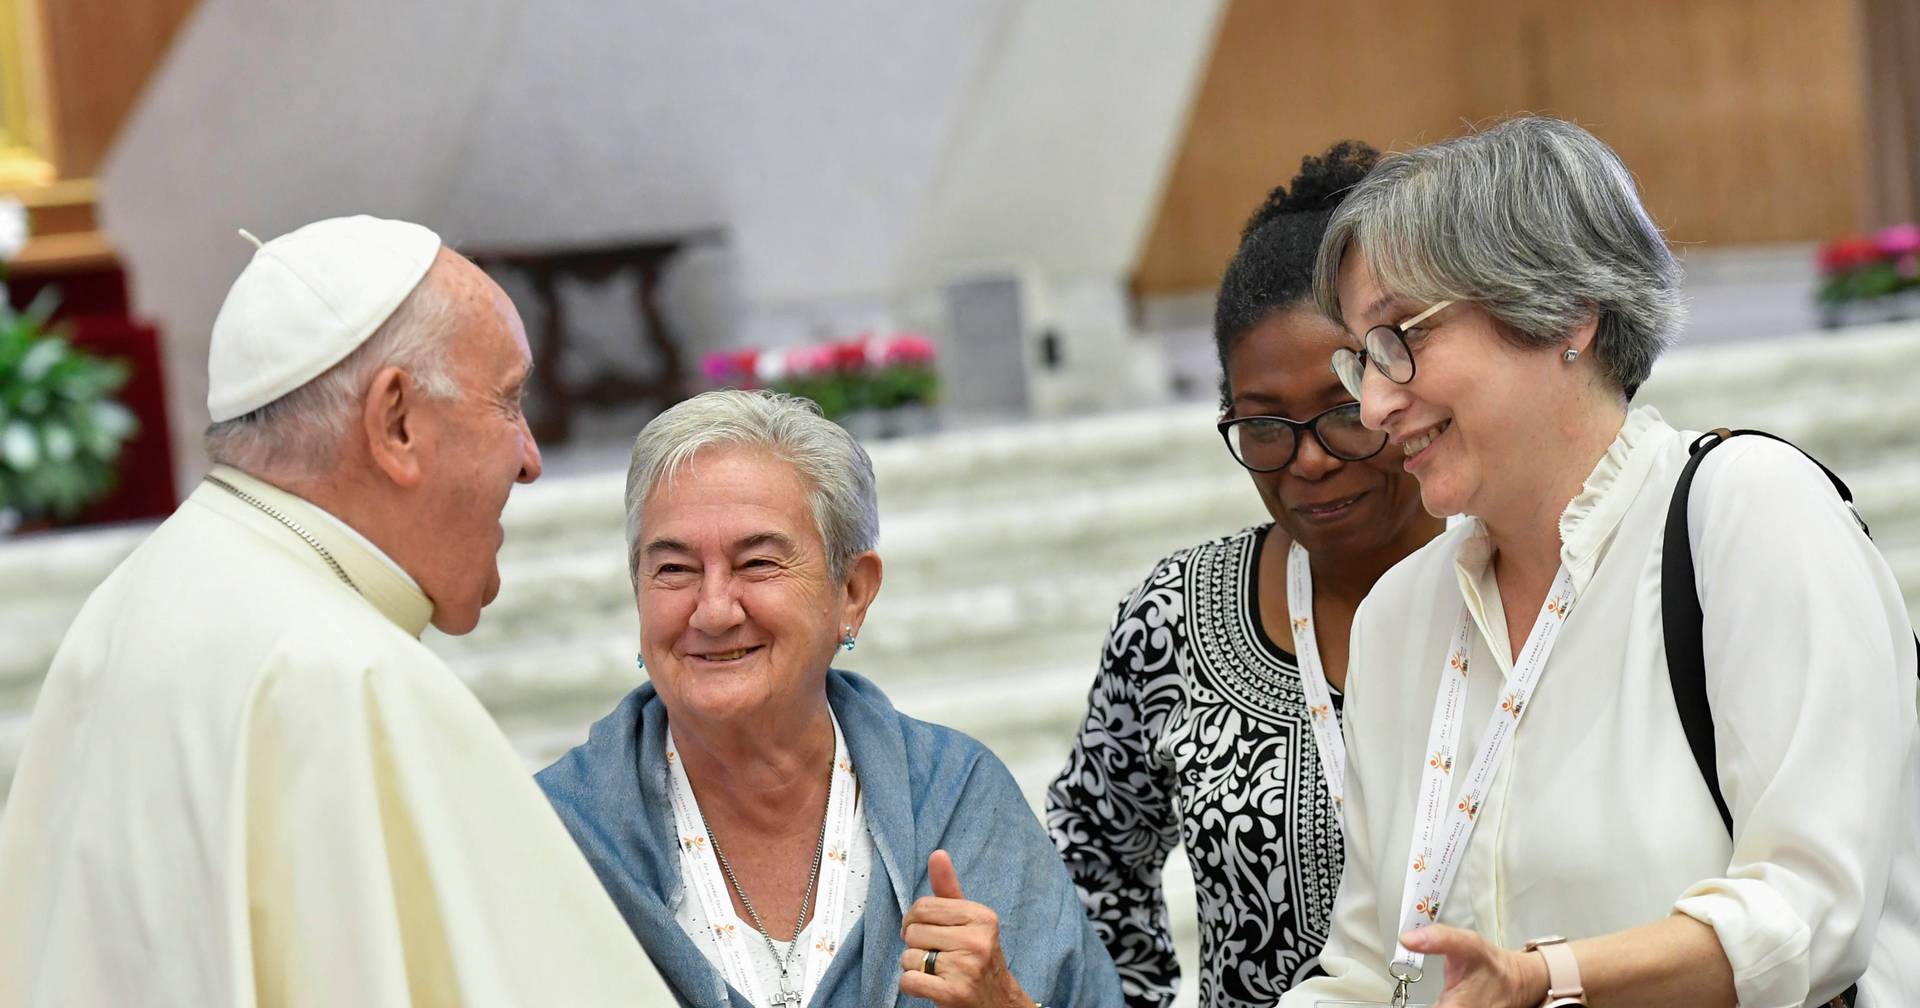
<point>1563,973</point>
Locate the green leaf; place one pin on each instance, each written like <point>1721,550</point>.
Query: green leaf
<point>60,443</point>
<point>42,307</point>
<point>60,432</point>
<point>115,419</point>
<point>41,359</point>
<point>19,447</point>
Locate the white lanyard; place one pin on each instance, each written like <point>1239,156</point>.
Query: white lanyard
<point>1431,867</point>
<point>1313,680</point>
<point>701,869</point>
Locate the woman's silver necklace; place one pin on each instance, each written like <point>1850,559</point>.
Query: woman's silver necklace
<point>788,997</point>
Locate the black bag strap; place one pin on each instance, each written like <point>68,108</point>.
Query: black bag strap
<point>1680,617</point>
<point>1680,614</point>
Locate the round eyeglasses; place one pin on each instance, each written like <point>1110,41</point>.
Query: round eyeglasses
<point>1269,443</point>
<point>1386,347</point>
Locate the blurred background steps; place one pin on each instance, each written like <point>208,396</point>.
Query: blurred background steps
<point>1005,551</point>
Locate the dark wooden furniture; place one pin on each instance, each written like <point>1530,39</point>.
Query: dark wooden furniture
<point>556,398</point>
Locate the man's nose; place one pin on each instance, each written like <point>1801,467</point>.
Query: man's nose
<point>529,454</point>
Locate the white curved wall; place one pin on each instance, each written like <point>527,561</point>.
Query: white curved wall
<point>853,151</point>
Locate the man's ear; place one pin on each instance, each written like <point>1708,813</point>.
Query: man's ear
<point>391,424</point>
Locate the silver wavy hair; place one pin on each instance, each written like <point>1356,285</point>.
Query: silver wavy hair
<point>1536,221</point>
<point>845,505</point>
<point>301,432</point>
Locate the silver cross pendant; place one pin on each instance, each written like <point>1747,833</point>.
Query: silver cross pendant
<point>787,996</point>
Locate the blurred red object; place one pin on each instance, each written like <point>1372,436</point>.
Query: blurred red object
<point>1850,252</point>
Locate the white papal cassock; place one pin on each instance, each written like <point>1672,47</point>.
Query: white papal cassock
<point>247,783</point>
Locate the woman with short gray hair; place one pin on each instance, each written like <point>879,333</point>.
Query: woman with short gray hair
<point>774,831</point>
<point>1522,798</point>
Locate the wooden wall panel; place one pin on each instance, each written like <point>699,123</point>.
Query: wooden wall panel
<point>1741,118</point>
<point>99,54</point>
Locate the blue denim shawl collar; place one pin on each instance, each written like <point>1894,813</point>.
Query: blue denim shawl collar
<point>616,805</point>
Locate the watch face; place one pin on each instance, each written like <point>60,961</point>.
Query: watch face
<point>1567,1002</point>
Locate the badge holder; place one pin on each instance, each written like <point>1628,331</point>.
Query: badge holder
<point>1402,984</point>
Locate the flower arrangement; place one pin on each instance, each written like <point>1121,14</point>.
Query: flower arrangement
<point>1876,271</point>
<point>866,373</point>
<point>60,429</point>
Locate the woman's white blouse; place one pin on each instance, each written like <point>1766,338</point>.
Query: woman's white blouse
<point>1599,820</point>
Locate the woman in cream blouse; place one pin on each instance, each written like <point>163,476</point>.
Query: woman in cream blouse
<point>1516,768</point>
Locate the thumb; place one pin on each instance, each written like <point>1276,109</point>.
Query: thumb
<point>1432,939</point>
<point>940,873</point>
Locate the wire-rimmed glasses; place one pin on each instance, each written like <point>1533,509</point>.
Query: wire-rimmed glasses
<point>1269,443</point>
<point>1386,347</point>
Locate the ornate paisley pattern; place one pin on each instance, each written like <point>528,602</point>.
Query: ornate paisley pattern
<point>1197,732</point>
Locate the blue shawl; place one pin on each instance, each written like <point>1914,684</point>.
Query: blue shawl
<point>925,787</point>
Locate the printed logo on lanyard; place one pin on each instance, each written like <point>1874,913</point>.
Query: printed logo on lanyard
<point>1434,856</point>
<point>1313,681</point>
<point>701,871</point>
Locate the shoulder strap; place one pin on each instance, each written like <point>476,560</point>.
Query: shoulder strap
<point>1680,623</point>
<point>1680,607</point>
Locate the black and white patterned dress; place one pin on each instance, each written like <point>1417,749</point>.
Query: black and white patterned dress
<point>1197,731</point>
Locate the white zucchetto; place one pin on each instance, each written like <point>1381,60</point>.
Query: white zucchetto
<point>307,300</point>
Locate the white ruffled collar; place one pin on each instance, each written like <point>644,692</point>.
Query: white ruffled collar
<point>1591,517</point>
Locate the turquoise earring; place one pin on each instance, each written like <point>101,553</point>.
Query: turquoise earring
<point>846,642</point>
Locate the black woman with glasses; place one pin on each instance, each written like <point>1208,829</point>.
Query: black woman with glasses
<point>1527,826</point>
<point>1214,720</point>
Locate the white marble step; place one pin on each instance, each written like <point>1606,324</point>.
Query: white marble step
<point>1064,563</point>
<point>928,551</point>
<point>1006,549</point>
<point>945,568</point>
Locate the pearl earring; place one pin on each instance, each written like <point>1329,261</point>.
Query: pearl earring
<point>1571,355</point>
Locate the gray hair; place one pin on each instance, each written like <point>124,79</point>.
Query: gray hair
<point>846,508</point>
<point>1534,220</point>
<point>302,431</point>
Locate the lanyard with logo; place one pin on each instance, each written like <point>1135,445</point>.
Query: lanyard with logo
<point>1313,680</point>
<point>701,869</point>
<point>1435,854</point>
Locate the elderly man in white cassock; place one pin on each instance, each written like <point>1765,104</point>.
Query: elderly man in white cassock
<point>246,781</point>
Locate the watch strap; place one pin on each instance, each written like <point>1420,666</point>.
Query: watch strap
<point>1564,989</point>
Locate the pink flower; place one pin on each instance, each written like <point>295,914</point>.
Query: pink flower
<point>848,356</point>
<point>729,366</point>
<point>809,360</point>
<point>1895,242</point>
<point>909,348</point>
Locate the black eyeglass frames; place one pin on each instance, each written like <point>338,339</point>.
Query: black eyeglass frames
<point>1269,443</point>
<point>1386,347</point>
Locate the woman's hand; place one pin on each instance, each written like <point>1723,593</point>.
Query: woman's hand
<point>1479,973</point>
<point>970,971</point>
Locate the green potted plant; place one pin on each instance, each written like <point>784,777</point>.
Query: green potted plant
<point>875,386</point>
<point>61,431</point>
